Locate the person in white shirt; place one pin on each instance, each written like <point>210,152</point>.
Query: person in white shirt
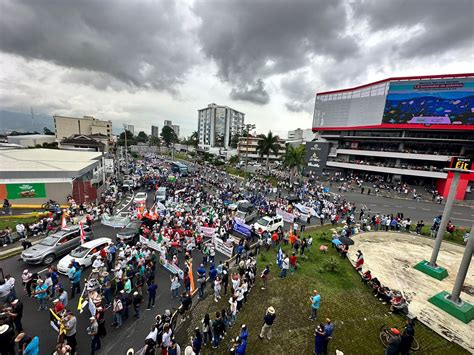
<point>285,266</point>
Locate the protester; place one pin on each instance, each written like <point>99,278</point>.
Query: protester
<point>268,319</point>
<point>315,304</point>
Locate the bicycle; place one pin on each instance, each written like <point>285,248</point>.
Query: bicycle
<point>385,335</point>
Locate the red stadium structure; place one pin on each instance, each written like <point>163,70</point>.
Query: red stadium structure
<point>402,129</point>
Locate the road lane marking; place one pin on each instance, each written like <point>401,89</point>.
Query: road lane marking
<point>399,206</point>
<point>372,205</point>
<point>459,213</point>
<point>426,209</point>
<point>412,208</point>
<point>39,272</point>
<point>386,205</point>
<point>462,219</point>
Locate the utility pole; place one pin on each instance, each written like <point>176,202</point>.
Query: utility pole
<point>248,127</point>
<point>126,149</point>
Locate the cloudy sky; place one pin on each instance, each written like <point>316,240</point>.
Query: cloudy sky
<point>141,62</point>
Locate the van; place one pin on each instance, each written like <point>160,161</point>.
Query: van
<point>84,254</point>
<point>161,194</point>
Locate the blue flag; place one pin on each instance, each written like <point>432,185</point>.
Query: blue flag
<point>279,258</point>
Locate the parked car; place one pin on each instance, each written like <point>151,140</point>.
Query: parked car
<point>55,245</point>
<point>269,224</point>
<point>128,185</point>
<point>140,198</point>
<point>246,211</point>
<point>130,233</point>
<point>161,194</point>
<point>83,254</point>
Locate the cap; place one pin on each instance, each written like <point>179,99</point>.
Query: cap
<point>271,310</point>
<point>56,301</point>
<point>395,331</point>
<point>15,301</point>
<point>243,326</point>
<point>135,293</point>
<point>91,318</point>
<point>25,271</point>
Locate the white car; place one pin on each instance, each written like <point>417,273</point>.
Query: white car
<point>140,198</point>
<point>83,254</point>
<point>269,224</point>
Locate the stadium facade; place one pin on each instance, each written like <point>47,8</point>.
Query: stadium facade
<point>404,129</point>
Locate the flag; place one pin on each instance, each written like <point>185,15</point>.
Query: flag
<point>279,258</point>
<point>63,223</point>
<point>83,233</point>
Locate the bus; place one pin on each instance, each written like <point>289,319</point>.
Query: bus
<point>178,168</point>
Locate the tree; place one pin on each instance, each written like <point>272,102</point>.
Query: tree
<point>47,131</point>
<point>142,137</point>
<point>294,158</point>
<point>130,138</point>
<point>194,139</point>
<point>169,136</point>
<point>154,141</point>
<point>234,159</point>
<point>266,145</point>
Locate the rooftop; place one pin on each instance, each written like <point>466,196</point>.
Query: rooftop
<point>14,163</point>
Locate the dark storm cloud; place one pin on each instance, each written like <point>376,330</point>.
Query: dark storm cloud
<point>299,89</point>
<point>446,24</point>
<point>254,93</point>
<point>142,44</point>
<point>256,39</point>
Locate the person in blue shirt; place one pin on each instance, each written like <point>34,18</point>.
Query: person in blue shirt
<point>76,282</point>
<point>33,347</point>
<point>197,341</point>
<point>315,303</point>
<point>151,294</point>
<point>328,330</point>
<point>240,346</point>
<point>244,333</point>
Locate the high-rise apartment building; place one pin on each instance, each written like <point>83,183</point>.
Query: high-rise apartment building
<point>168,123</point>
<point>130,128</point>
<point>154,131</point>
<point>218,124</point>
<point>175,128</point>
<point>65,127</point>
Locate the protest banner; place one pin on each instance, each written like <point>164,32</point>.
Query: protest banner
<point>171,267</point>
<point>150,243</point>
<point>242,228</point>
<point>222,247</point>
<point>207,231</point>
<point>287,217</point>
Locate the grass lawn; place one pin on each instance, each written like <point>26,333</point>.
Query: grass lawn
<point>357,315</point>
<point>12,221</point>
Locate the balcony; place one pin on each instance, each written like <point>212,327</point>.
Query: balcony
<point>395,155</point>
<point>388,170</point>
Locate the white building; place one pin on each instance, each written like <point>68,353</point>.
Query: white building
<point>65,127</point>
<point>130,128</point>
<point>300,136</point>
<point>247,149</point>
<point>217,124</point>
<point>31,140</point>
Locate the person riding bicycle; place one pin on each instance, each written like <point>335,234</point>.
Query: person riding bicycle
<point>393,343</point>
<point>407,336</point>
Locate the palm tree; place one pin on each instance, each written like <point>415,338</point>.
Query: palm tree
<point>266,145</point>
<point>294,158</point>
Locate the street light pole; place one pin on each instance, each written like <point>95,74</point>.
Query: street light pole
<point>126,149</point>
<point>444,218</point>
<point>248,127</point>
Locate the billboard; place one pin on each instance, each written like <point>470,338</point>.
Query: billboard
<point>19,191</point>
<point>440,102</point>
<point>316,156</point>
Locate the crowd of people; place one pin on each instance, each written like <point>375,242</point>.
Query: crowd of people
<point>197,211</point>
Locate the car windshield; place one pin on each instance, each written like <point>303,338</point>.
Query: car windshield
<point>49,241</point>
<point>263,222</point>
<point>140,195</point>
<point>132,225</point>
<point>79,252</point>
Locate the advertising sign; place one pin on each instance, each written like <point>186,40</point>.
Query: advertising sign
<point>444,101</point>
<point>461,163</point>
<point>287,217</point>
<point>316,156</point>
<point>19,191</point>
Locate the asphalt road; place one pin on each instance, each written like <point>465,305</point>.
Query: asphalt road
<point>460,215</point>
<point>131,334</point>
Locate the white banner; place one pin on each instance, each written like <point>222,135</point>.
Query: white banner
<point>222,247</point>
<point>287,217</point>
<point>114,221</point>
<point>150,243</point>
<point>207,231</point>
<point>171,267</point>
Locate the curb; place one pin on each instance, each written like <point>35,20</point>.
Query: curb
<point>14,251</point>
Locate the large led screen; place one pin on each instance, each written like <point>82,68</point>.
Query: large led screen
<point>445,102</point>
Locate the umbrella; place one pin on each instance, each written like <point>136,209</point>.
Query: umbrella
<point>346,240</point>
<point>336,242</point>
